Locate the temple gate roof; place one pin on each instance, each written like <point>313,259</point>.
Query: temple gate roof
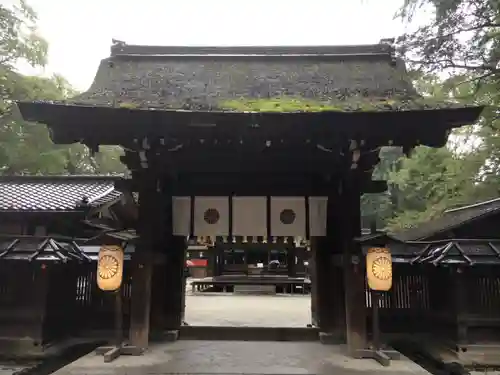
<point>327,93</point>
<point>349,78</point>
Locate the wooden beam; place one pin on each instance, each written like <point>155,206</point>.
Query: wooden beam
<point>118,126</point>
<point>210,161</point>
<point>256,184</point>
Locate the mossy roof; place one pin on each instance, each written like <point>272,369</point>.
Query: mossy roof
<point>270,79</point>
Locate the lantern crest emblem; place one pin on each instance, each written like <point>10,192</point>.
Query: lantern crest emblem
<point>110,268</point>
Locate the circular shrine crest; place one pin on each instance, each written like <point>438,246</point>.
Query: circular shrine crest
<point>287,216</point>
<point>382,268</point>
<point>108,267</point>
<point>211,216</point>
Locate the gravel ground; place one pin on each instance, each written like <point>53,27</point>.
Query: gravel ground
<point>217,309</point>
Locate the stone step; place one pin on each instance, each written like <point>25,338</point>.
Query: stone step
<point>255,289</point>
<point>248,333</point>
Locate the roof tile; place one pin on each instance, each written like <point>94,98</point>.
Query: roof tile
<point>54,193</point>
<point>450,220</point>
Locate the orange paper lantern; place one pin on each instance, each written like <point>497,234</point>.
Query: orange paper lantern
<point>379,269</point>
<point>110,268</point>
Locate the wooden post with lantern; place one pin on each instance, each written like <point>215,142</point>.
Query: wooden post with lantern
<point>379,276</point>
<point>109,280</point>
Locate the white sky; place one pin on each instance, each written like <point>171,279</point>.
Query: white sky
<point>80,32</point>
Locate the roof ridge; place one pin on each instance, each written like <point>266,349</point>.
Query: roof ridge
<point>59,178</point>
<point>472,205</point>
<point>122,49</point>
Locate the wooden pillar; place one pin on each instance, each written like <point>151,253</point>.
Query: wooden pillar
<point>39,302</point>
<point>291,261</point>
<point>245,261</point>
<point>321,265</point>
<point>354,267</point>
<point>218,261</point>
<point>311,272</point>
<point>210,261</point>
<point>168,290</point>
<point>327,300</point>
<point>142,260</point>
<point>175,285</point>
<point>459,291</point>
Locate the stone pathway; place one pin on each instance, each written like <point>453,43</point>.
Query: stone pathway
<point>238,357</point>
<point>197,357</point>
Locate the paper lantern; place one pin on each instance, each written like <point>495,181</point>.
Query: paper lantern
<point>110,268</point>
<point>379,269</point>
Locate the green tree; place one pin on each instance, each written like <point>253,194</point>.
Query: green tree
<point>26,148</point>
<point>462,35</point>
<point>378,208</point>
<point>463,39</point>
<point>431,181</point>
<point>18,37</point>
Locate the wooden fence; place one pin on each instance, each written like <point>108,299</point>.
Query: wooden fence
<point>46,304</point>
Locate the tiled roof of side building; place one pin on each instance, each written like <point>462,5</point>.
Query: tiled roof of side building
<point>449,220</point>
<point>55,193</point>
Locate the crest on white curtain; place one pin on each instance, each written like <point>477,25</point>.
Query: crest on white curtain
<point>211,216</point>
<point>288,216</point>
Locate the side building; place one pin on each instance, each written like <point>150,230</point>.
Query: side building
<point>60,205</point>
<point>50,231</point>
<point>446,286</point>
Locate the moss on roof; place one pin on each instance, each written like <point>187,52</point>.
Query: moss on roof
<point>353,104</point>
<point>284,84</point>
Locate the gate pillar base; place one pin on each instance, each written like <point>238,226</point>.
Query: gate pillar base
<point>171,336</point>
<point>168,336</point>
<point>382,356</point>
<point>110,353</point>
<point>331,338</point>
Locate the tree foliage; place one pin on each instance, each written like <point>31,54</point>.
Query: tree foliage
<point>462,35</point>
<point>431,180</point>
<point>454,56</point>
<point>18,37</point>
<point>26,148</point>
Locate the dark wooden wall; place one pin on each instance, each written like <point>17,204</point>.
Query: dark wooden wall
<point>48,304</point>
